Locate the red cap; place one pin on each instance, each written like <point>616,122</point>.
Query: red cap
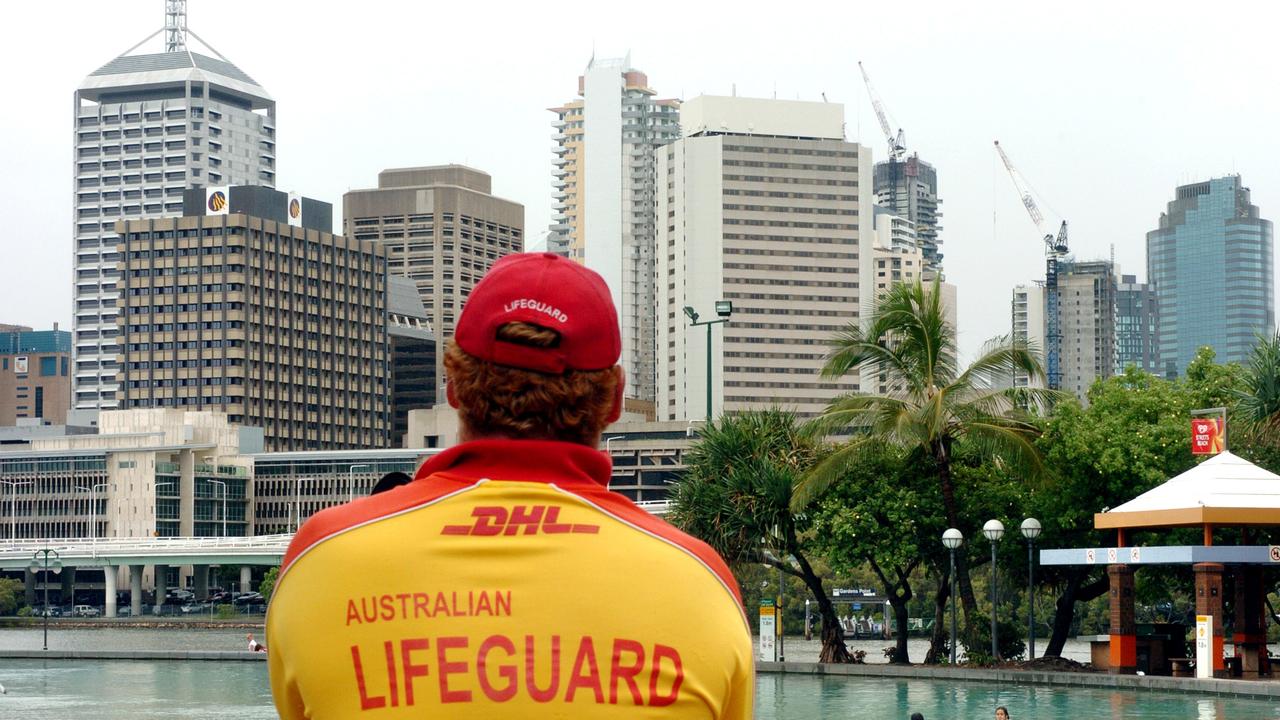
<point>549,291</point>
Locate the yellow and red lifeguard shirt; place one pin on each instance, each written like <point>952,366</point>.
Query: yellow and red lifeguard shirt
<point>505,581</point>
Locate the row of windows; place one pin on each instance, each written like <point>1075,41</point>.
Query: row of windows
<point>186,382</point>
<point>202,362</point>
<point>184,345</point>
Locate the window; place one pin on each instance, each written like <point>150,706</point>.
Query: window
<point>40,398</point>
<point>48,367</point>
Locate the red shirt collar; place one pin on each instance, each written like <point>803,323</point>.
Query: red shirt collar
<point>545,461</point>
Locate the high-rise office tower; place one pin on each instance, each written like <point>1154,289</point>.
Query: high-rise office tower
<point>443,228</point>
<point>909,188</point>
<point>1135,325</point>
<point>249,305</point>
<point>414,350</point>
<point>147,127</point>
<point>765,205</point>
<point>1086,319</point>
<point>1210,264</point>
<point>605,193</point>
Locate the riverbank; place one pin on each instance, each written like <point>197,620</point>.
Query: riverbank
<point>140,623</point>
<point>221,655</point>
<point>1250,689</point>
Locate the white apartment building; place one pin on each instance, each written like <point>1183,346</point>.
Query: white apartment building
<point>1028,326</point>
<point>147,127</point>
<point>766,205</point>
<point>603,182</point>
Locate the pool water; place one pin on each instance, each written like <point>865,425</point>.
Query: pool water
<point>136,689</point>
<point>805,697</point>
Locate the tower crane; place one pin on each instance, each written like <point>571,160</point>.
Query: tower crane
<point>1055,250</point>
<point>898,142</point>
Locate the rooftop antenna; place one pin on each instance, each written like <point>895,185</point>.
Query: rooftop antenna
<point>175,25</point>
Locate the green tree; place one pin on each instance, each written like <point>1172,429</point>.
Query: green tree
<point>885,512</point>
<point>736,496</point>
<point>1133,436</point>
<point>10,595</point>
<point>1258,398</point>
<point>268,584</point>
<point>909,346</point>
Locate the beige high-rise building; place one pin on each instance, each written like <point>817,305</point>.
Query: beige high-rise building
<point>1087,318</point>
<point>254,308</point>
<point>606,142</point>
<point>440,226</point>
<point>765,205</point>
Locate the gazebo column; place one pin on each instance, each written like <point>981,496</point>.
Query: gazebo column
<point>1124,632</point>
<point>1209,602</point>
<point>1250,634</point>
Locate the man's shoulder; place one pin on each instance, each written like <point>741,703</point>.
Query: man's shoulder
<point>627,512</point>
<point>339,519</point>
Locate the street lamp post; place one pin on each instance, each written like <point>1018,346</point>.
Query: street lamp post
<point>42,556</point>
<point>13,502</point>
<point>93,516</point>
<point>224,504</point>
<point>297,501</point>
<point>1031,530</point>
<point>994,530</point>
<point>351,480</point>
<point>724,309</point>
<point>952,539</point>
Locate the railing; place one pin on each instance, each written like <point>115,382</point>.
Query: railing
<point>157,545</point>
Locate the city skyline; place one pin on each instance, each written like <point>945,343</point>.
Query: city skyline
<point>1068,111</point>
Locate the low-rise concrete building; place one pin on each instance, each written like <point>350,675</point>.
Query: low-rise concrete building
<point>35,377</point>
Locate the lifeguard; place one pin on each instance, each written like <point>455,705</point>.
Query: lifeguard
<point>506,581</point>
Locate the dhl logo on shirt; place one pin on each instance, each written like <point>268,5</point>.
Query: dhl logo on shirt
<point>497,520</point>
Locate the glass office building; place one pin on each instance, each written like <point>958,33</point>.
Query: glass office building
<point>1210,265</point>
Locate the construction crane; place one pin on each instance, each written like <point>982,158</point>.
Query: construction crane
<point>897,142</point>
<point>1055,251</point>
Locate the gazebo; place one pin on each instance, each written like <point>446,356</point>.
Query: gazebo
<point>1224,491</point>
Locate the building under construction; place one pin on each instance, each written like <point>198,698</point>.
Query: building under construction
<point>908,187</point>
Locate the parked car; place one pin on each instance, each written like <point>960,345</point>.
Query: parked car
<point>180,596</point>
<point>195,608</point>
<point>86,611</point>
<point>220,597</point>
<point>250,598</point>
<point>49,612</point>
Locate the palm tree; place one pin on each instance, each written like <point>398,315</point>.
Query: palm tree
<point>908,345</point>
<point>1259,402</point>
<point>736,497</point>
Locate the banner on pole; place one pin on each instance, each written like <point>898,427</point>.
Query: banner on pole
<point>1208,435</point>
<point>1204,646</point>
<point>768,628</point>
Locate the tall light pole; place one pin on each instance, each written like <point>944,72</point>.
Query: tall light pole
<point>93,516</point>
<point>224,504</point>
<point>13,502</point>
<point>351,480</point>
<point>952,539</point>
<point>297,501</point>
<point>994,530</point>
<point>1031,530</point>
<point>724,309</point>
<point>36,560</point>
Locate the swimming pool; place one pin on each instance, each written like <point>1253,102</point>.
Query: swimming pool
<point>133,689</point>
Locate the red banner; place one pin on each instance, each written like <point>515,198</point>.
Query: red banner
<point>1208,436</point>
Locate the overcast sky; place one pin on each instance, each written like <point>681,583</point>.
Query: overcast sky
<point>1105,107</point>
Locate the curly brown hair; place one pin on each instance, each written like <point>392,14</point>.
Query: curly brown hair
<point>495,400</point>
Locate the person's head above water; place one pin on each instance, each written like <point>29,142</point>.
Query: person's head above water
<point>1002,713</point>
<point>534,355</point>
